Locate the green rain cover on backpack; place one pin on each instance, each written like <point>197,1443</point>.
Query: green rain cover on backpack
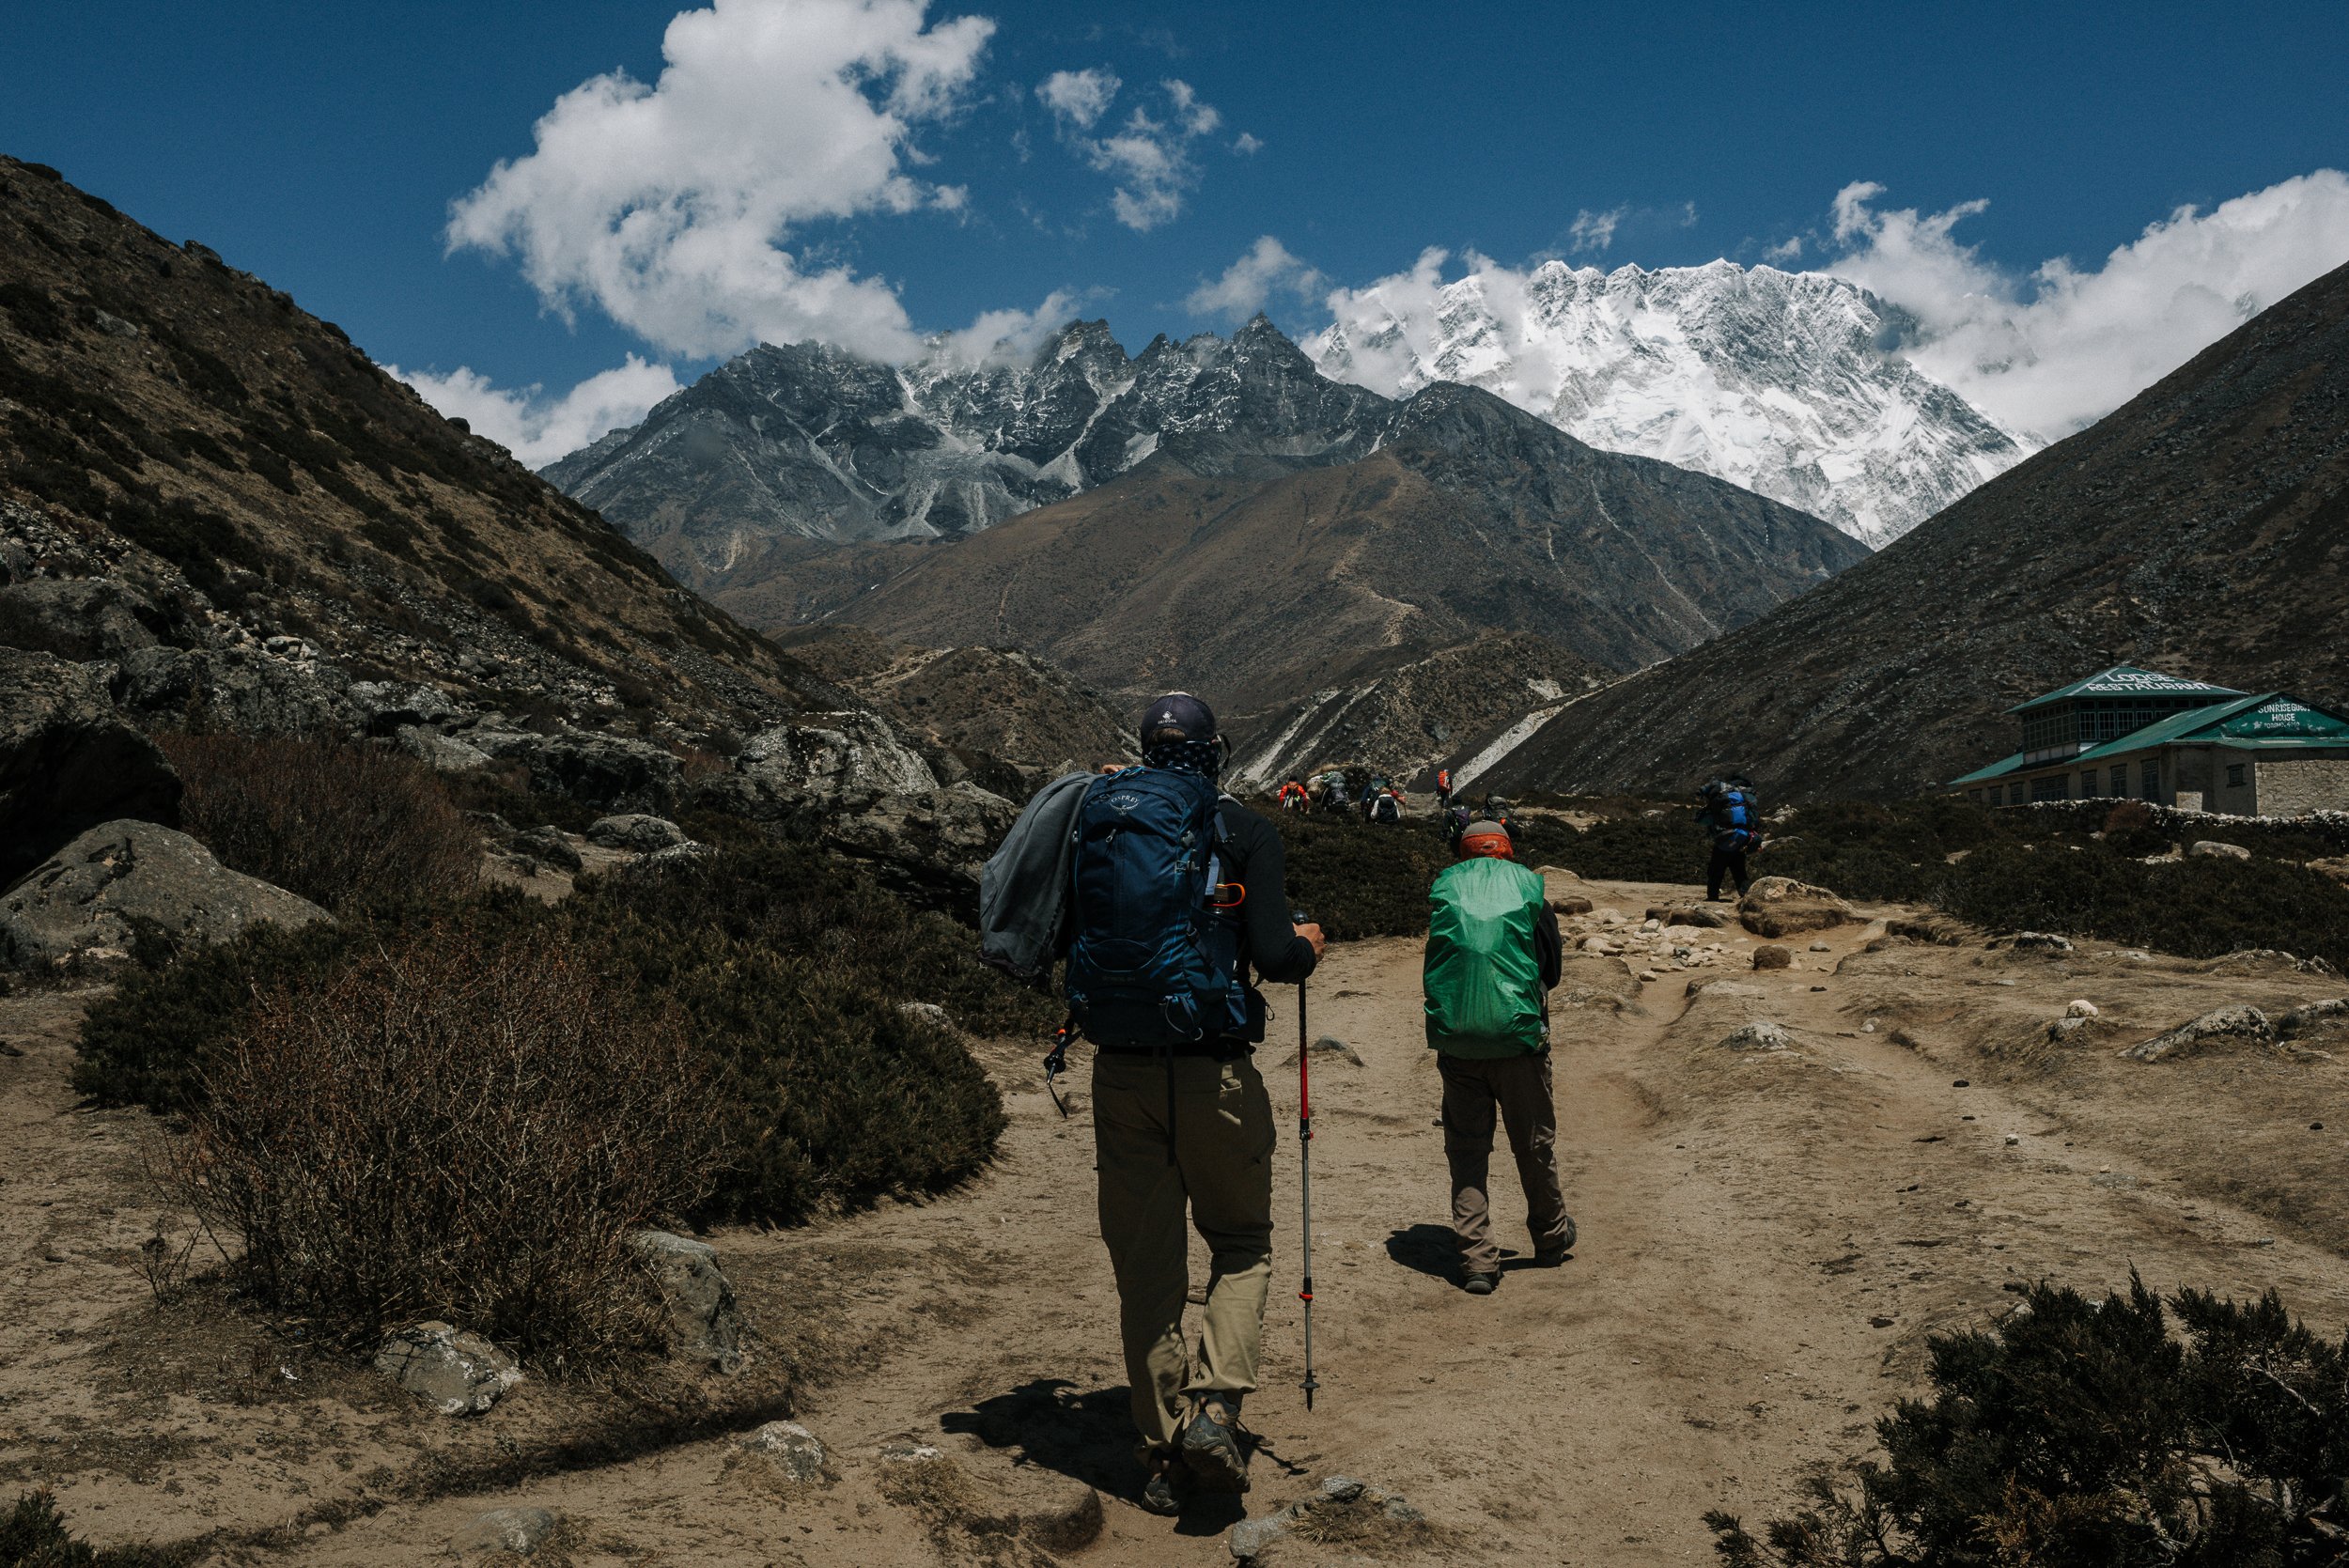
<point>1482,978</point>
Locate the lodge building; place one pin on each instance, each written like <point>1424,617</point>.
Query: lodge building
<point>2140,734</point>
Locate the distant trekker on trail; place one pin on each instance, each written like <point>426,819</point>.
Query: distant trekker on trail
<point>1493,956</point>
<point>1177,895</point>
<point>1443,788</point>
<point>1730,812</point>
<point>1293,796</point>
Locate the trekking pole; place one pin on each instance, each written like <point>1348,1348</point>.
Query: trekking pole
<point>1305,1156</point>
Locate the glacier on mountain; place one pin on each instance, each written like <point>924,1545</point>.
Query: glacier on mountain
<point>1789,383</point>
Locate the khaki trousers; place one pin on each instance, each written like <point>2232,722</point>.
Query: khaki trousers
<point>1221,1171</point>
<point>1517,1087</point>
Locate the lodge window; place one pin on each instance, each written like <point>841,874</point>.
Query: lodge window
<point>2056,786</point>
<point>2120,779</point>
<point>2151,771</point>
<point>2088,783</point>
<point>2234,775</point>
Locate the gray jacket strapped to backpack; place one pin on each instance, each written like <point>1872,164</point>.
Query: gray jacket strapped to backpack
<point>1024,891</point>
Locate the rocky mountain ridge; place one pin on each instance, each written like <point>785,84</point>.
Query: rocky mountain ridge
<point>1789,383</point>
<point>215,512</point>
<point>806,441</point>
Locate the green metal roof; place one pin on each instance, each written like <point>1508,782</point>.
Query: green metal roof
<point>2271,721</point>
<point>2127,680</point>
<point>1984,775</point>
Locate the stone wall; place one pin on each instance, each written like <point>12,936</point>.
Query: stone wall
<point>2289,785</point>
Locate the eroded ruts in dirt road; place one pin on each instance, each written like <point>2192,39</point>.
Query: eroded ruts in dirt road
<point>1767,1237</point>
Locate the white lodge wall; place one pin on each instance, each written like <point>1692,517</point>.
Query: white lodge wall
<point>2289,786</point>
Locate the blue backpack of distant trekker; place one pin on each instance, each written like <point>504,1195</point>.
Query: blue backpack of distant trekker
<point>1733,820</point>
<point>1156,961</point>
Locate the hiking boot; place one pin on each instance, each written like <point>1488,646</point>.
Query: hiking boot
<point>1159,1494</point>
<point>1211,1451</point>
<point>1550,1257</point>
<point>1481,1284</point>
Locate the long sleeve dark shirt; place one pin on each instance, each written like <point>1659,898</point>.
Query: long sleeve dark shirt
<point>1277,953</point>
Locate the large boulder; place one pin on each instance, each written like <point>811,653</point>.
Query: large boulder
<point>506,1532</point>
<point>67,762</point>
<point>704,1322</point>
<point>1781,907</point>
<point>248,690</point>
<point>2241,1023</point>
<point>77,618</point>
<point>636,831</point>
<point>458,1373</point>
<point>850,759</point>
<point>385,707</point>
<point>91,896</point>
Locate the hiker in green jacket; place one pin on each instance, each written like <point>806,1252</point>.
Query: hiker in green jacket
<point>1493,956</point>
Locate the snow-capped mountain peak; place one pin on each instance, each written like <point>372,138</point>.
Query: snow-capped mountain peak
<point>1788,384</point>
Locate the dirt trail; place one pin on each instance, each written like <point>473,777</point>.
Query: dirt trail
<point>1766,1239</point>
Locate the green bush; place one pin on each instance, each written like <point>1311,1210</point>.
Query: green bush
<point>799,900</point>
<point>835,1093</point>
<point>2200,907</point>
<point>2086,1434</point>
<point>33,1535</point>
<point>141,1045</point>
<point>1359,880</point>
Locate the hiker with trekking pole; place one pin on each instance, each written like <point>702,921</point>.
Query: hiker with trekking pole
<point>1493,957</point>
<point>1167,899</point>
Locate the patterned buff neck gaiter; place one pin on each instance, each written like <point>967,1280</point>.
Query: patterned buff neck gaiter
<point>1203,757</point>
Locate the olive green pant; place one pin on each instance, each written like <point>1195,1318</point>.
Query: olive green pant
<point>1514,1090</point>
<point>1221,1171</point>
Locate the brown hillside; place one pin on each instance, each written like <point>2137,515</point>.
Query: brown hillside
<point>2202,529</point>
<point>1477,518</point>
<point>240,471</point>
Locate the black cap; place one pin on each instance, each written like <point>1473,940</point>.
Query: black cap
<point>1176,716</point>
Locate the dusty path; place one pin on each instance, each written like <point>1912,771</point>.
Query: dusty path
<point>1766,1238</point>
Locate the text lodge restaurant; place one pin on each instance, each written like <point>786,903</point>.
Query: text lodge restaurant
<point>2140,734</point>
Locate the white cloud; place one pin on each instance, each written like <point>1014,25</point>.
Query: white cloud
<point>1012,334</point>
<point>537,429</point>
<point>1150,154</point>
<point>1247,284</point>
<point>2052,352</point>
<point>1248,143</point>
<point>1594,232</point>
<point>669,206</point>
<point>1786,250</point>
<point>1079,98</point>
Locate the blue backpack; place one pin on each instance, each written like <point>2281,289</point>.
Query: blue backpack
<point>1733,820</point>
<point>1156,961</point>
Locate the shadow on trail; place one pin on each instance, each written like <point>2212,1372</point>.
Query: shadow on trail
<point>1088,1436</point>
<point>1427,1248</point>
<point>1430,1249</point>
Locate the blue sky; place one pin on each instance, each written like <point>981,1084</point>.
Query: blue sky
<point>322,147</point>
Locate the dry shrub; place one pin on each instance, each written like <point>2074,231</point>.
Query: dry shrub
<point>344,825</point>
<point>458,1126</point>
